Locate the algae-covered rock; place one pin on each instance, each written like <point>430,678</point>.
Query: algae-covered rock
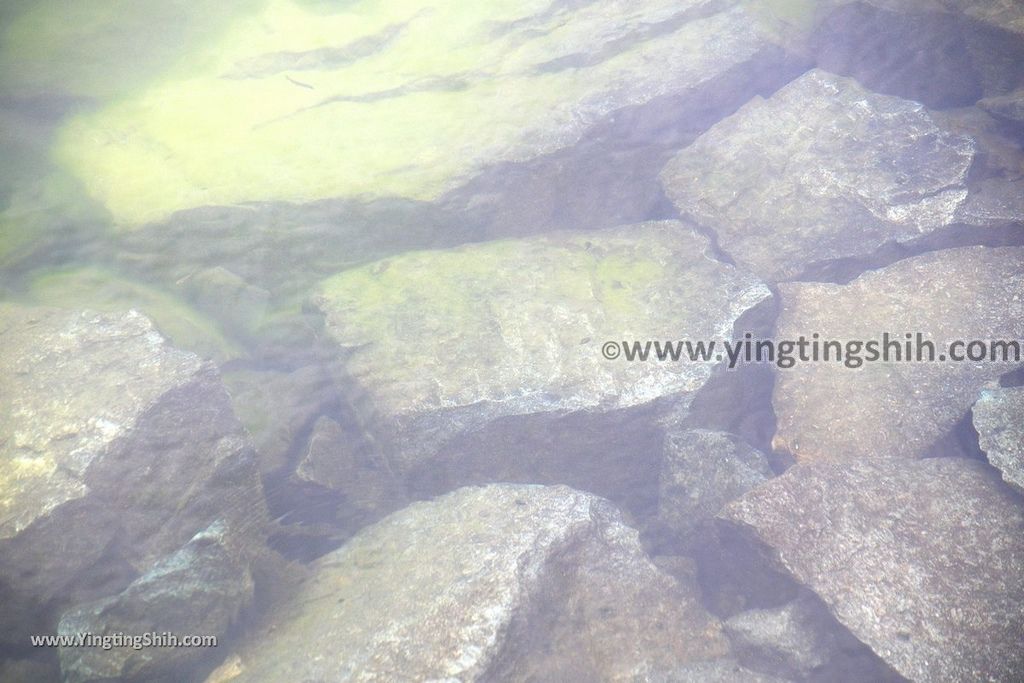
<point>821,170</point>
<point>198,590</point>
<point>999,418</point>
<point>100,290</point>
<point>833,409</point>
<point>487,361</point>
<point>401,99</point>
<point>502,582</point>
<point>117,450</point>
<point>923,560</point>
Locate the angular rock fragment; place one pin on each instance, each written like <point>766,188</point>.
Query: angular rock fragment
<point>502,582</point>
<point>199,590</point>
<point>901,408</point>
<point>999,419</point>
<point>117,450</point>
<point>821,170</point>
<point>486,362</point>
<point>512,83</point>
<point>800,641</point>
<point>923,561</point>
<point>701,472</point>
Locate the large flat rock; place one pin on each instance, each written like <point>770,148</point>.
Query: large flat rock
<point>821,170</point>
<point>297,102</point>
<point>485,362</point>
<point>999,418</point>
<point>117,450</point>
<point>921,560</point>
<point>827,410</point>
<point>502,582</point>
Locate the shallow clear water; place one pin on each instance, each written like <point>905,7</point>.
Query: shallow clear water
<point>401,237</point>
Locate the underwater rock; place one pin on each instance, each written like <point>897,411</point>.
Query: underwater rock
<point>922,560</point>
<point>943,54</point>
<point>485,362</point>
<point>821,170</point>
<point>701,472</point>
<point>503,582</point>
<point>999,418</point>
<point>829,410</point>
<point>118,449</point>
<point>713,671</point>
<point>199,590</point>
<point>800,641</point>
<point>409,100</point>
<point>1008,107</point>
<point>341,462</point>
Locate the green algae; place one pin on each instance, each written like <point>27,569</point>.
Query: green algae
<point>100,290</point>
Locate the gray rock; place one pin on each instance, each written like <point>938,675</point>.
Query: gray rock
<point>1008,107</point>
<point>821,170</point>
<point>800,641</point>
<point>701,472</point>
<point>502,582</point>
<point>363,479</point>
<point>943,53</point>
<point>827,410</point>
<point>198,590</point>
<point>714,671</point>
<point>485,362</point>
<point>117,450</point>
<point>999,419</point>
<point>922,560</point>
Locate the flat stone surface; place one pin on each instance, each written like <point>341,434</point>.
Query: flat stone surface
<point>923,560</point>
<point>117,449</point>
<point>1009,107</point>
<point>999,418</point>
<point>827,411</point>
<point>821,170</point>
<point>501,582</point>
<point>470,87</point>
<point>485,362</point>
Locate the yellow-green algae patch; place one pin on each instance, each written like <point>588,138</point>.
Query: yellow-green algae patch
<point>382,99</point>
<point>100,290</point>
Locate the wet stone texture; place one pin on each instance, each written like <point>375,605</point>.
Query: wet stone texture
<point>821,170</point>
<point>118,449</point>
<point>999,419</point>
<point>922,560</point>
<point>199,590</point>
<point>486,362</point>
<point>503,582</point>
<point>701,472</point>
<point>896,409</point>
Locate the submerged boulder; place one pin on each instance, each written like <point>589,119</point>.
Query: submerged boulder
<point>492,361</point>
<point>501,582</point>
<point>922,560</point>
<point>850,407</point>
<point>821,170</point>
<point>701,472</point>
<point>197,591</point>
<point>291,83</point>
<point>999,419</point>
<point>118,449</point>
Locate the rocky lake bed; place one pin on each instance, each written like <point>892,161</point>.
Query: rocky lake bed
<point>318,323</point>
